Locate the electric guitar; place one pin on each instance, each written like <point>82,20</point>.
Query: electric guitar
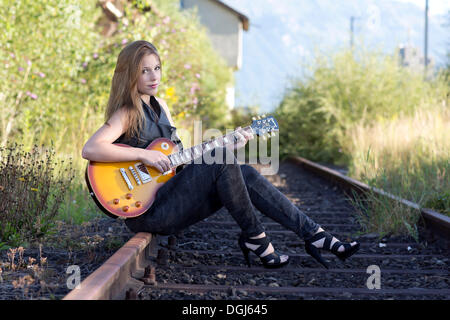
<point>128,189</point>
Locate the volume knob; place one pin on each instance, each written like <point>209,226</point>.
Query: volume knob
<point>129,196</point>
<point>138,204</point>
<point>125,208</point>
<point>116,201</point>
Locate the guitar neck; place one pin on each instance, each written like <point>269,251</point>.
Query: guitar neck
<point>187,155</point>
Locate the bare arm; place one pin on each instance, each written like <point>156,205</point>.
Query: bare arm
<point>100,146</point>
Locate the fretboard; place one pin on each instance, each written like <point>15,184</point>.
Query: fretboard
<point>187,155</point>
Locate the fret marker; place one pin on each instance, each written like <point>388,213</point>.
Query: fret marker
<point>164,145</point>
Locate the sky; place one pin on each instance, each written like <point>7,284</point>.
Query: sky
<point>434,6</point>
<point>285,33</point>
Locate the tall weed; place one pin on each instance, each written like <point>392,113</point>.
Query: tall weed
<point>32,189</point>
<point>385,123</point>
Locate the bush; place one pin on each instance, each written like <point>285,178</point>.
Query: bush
<point>350,88</point>
<point>385,123</point>
<point>58,68</point>
<point>32,190</point>
<point>43,46</point>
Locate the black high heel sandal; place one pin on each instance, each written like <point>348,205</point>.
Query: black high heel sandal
<point>272,260</point>
<point>313,251</point>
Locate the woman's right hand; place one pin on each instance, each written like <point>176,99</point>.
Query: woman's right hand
<point>156,159</point>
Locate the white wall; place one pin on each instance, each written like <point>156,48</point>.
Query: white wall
<point>224,29</point>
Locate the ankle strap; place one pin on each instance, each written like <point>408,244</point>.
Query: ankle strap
<point>262,242</point>
<point>318,236</point>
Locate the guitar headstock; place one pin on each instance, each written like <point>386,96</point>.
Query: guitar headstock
<point>263,126</point>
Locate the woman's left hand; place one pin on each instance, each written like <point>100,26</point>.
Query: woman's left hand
<point>243,137</point>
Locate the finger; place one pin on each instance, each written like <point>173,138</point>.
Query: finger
<point>164,165</point>
<point>158,167</point>
<point>167,166</point>
<point>239,135</point>
<point>248,135</point>
<point>239,139</point>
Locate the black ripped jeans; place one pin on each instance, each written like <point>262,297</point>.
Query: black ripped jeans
<point>199,190</point>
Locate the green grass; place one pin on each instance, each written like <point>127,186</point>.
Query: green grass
<point>385,123</point>
<point>78,206</point>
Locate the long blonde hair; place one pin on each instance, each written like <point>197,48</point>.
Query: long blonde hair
<point>124,92</point>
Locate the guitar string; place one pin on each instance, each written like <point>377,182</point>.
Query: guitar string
<point>202,146</point>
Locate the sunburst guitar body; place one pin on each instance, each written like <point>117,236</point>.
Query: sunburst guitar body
<point>128,189</point>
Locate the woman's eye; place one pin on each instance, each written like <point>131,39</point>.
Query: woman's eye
<point>147,70</point>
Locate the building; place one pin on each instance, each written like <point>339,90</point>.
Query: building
<point>410,57</point>
<point>225,28</point>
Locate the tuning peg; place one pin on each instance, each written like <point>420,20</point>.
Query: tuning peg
<point>273,134</point>
<point>263,115</point>
<point>264,137</point>
<point>253,118</point>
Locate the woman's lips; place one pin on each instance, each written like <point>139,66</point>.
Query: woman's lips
<point>153,86</point>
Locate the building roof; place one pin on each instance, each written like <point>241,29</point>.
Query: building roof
<point>244,19</point>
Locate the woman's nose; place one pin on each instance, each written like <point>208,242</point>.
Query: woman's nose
<point>153,75</point>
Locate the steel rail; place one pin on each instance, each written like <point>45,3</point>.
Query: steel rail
<point>256,269</point>
<point>299,290</point>
<point>325,255</point>
<point>113,278</point>
<point>434,220</point>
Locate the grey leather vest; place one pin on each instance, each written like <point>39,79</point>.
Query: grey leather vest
<point>152,129</point>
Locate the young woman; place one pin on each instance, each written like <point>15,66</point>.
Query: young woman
<point>135,116</point>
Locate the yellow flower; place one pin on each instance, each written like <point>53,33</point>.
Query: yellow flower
<point>34,189</point>
<point>22,179</point>
<point>170,92</point>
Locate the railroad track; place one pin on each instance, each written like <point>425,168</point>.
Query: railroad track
<point>204,261</point>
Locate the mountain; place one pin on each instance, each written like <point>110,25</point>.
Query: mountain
<point>283,35</point>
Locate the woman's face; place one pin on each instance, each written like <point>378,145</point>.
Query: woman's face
<point>149,75</point>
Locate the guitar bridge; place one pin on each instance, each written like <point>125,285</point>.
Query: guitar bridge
<point>143,173</point>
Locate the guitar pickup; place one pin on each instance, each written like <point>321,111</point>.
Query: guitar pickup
<point>135,175</point>
<point>125,177</point>
<point>143,173</point>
